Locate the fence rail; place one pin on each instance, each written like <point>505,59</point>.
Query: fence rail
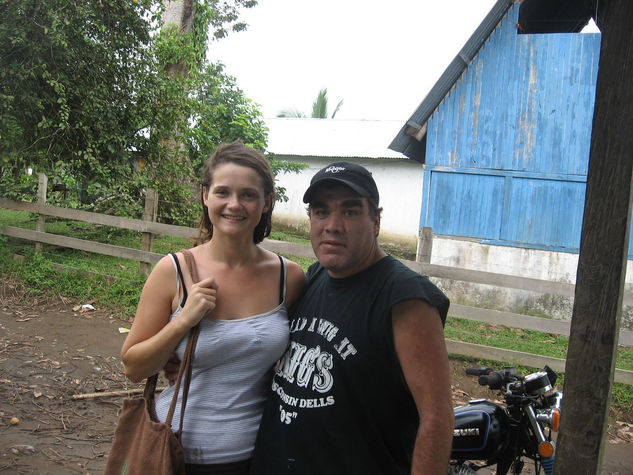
<point>146,256</point>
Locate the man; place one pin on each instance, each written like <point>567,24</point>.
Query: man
<point>364,387</point>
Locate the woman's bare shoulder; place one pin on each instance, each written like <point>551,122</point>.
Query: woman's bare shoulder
<point>296,283</point>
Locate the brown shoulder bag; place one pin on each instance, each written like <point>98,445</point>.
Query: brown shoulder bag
<point>141,443</point>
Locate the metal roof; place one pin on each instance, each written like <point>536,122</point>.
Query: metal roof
<point>536,16</point>
<point>332,137</point>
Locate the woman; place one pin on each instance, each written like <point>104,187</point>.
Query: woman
<point>241,300</point>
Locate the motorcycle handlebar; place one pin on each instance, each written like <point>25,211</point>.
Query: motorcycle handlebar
<point>493,380</point>
<point>478,371</point>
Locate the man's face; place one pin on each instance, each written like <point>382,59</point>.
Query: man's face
<point>342,231</point>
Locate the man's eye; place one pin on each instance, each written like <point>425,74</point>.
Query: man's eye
<point>350,212</point>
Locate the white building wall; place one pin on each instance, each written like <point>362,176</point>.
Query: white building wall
<point>399,183</point>
<point>522,262</point>
<point>530,263</point>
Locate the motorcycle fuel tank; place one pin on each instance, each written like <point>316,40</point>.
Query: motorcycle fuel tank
<point>481,431</point>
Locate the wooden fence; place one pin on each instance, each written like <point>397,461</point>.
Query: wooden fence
<point>147,258</point>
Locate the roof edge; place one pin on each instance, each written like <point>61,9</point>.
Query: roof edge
<point>411,137</point>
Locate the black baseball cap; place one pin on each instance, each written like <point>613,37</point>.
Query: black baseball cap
<point>358,178</point>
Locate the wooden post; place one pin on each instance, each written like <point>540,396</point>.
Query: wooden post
<point>42,183</point>
<point>603,252</point>
<point>147,241</point>
<point>425,245</point>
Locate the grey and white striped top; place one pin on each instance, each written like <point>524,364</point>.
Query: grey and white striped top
<point>231,377</point>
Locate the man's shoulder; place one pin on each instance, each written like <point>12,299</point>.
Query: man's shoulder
<point>404,283</point>
<point>316,277</point>
<point>314,270</point>
<point>397,270</point>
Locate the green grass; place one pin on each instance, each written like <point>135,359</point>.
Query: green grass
<point>289,235</point>
<point>535,342</point>
<point>528,341</point>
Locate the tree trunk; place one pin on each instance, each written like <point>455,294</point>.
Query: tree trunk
<point>603,252</point>
<point>180,13</point>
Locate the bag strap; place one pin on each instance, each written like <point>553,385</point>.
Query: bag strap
<point>181,279</point>
<point>186,364</point>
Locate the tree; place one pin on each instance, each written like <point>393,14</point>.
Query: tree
<point>319,108</point>
<point>181,55</point>
<point>223,114</point>
<point>74,81</point>
<point>88,96</point>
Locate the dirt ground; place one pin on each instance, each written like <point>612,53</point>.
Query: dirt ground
<point>52,350</point>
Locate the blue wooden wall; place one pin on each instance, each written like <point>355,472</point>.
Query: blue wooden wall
<point>508,148</point>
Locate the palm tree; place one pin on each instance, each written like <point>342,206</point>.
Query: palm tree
<point>319,108</point>
<point>291,113</point>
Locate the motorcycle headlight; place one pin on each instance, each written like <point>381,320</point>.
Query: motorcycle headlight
<point>549,417</point>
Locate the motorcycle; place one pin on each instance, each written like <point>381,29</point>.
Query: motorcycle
<point>488,433</point>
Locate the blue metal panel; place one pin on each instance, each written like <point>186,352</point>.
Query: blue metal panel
<point>545,212</point>
<point>508,147</point>
<point>450,191</point>
<point>505,207</point>
<point>524,103</point>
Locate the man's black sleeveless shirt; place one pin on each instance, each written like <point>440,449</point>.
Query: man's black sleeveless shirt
<point>339,402</point>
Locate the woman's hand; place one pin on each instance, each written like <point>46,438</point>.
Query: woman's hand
<point>200,302</point>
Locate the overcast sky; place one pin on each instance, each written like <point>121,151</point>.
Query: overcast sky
<point>380,57</point>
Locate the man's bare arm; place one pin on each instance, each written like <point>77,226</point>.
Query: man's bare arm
<point>419,341</point>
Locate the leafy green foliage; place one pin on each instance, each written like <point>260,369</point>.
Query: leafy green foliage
<point>71,92</point>
<point>103,99</point>
<point>294,113</point>
<point>222,114</point>
<point>18,185</point>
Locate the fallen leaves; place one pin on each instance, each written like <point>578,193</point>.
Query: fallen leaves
<point>624,431</point>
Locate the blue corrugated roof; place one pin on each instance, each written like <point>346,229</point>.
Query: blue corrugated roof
<point>406,142</point>
<point>538,16</point>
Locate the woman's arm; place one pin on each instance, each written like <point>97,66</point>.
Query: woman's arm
<point>153,338</point>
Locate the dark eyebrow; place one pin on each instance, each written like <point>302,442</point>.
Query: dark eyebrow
<point>317,204</point>
<point>352,203</point>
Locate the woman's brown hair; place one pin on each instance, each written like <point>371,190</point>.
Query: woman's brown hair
<point>239,154</point>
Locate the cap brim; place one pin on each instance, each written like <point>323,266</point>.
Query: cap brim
<point>307,196</point>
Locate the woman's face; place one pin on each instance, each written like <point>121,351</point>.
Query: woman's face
<point>235,199</point>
